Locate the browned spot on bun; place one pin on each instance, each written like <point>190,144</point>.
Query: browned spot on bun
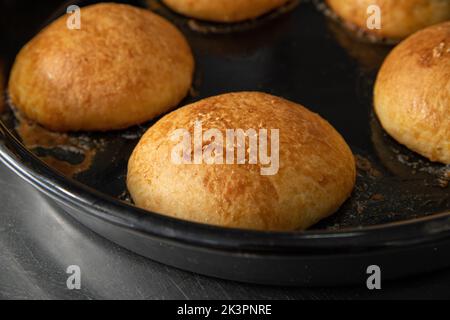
<point>429,58</point>
<point>226,11</point>
<point>125,66</point>
<point>412,93</point>
<point>399,18</point>
<point>316,170</point>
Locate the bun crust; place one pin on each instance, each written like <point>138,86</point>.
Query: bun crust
<point>224,10</point>
<point>412,93</point>
<point>316,167</point>
<point>123,67</point>
<point>399,18</point>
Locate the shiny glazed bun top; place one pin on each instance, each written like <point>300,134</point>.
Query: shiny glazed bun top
<point>224,10</point>
<point>399,18</point>
<point>313,176</point>
<point>412,93</point>
<point>124,66</point>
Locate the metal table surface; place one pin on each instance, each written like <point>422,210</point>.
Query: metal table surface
<point>38,242</point>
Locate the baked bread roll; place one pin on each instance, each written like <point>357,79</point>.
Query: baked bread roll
<point>314,174</point>
<point>412,93</point>
<point>224,10</point>
<point>125,66</point>
<point>399,18</point>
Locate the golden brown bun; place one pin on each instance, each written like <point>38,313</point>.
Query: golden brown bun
<point>399,18</point>
<point>316,167</point>
<point>224,10</point>
<point>412,93</point>
<point>123,67</point>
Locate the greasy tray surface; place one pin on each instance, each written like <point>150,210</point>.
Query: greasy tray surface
<point>297,53</point>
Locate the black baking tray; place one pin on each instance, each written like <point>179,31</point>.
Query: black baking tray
<point>397,218</point>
